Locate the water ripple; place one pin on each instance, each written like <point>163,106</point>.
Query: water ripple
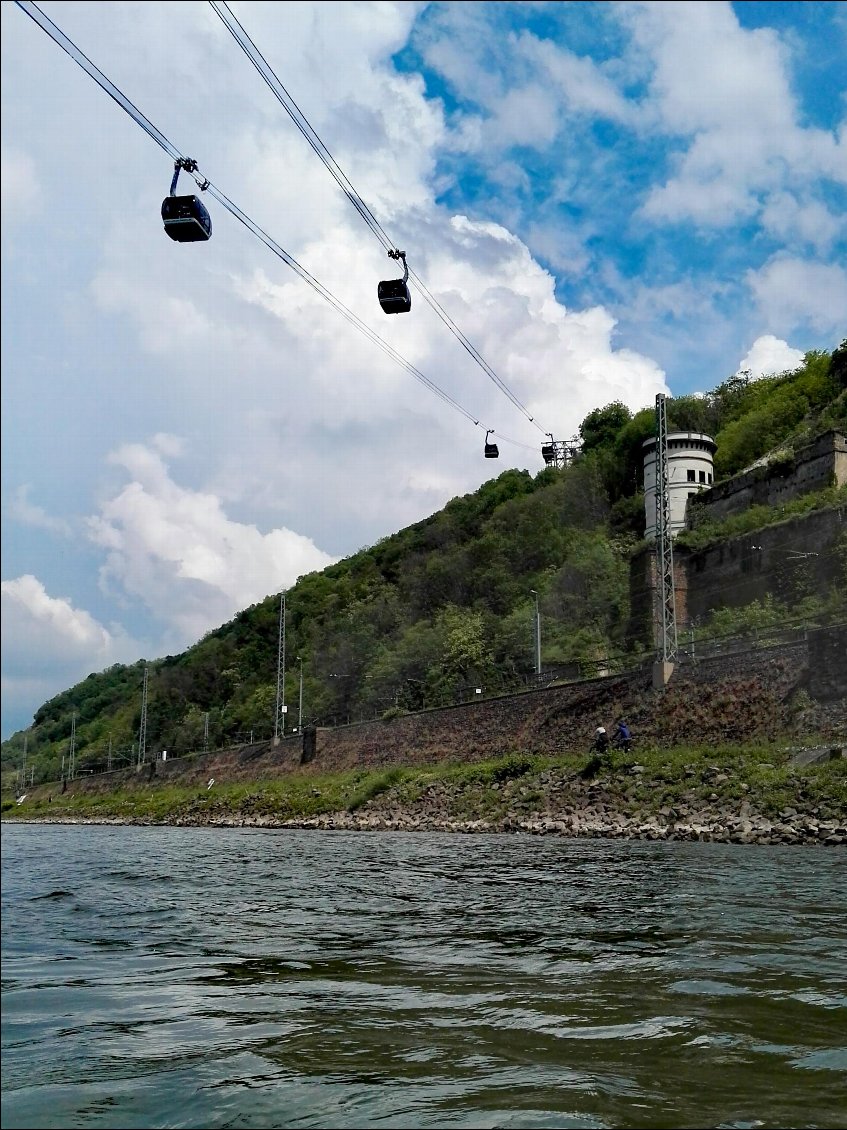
<point>160,977</point>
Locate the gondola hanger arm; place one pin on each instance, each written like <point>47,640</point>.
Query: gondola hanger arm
<point>394,254</point>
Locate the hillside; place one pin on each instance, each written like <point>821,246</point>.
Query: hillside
<point>431,613</point>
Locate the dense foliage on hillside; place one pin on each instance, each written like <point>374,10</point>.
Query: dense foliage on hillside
<point>446,606</point>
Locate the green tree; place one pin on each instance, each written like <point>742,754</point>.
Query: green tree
<point>690,414</point>
<point>591,589</point>
<point>600,427</point>
<point>838,365</point>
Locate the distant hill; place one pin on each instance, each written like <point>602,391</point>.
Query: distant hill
<point>446,604</point>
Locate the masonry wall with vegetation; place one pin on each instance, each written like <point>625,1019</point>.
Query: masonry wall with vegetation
<point>784,477</point>
<point>792,560</point>
<point>727,697</point>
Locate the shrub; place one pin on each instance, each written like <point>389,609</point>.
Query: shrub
<point>393,712</point>
<point>514,766</point>
<point>373,786</point>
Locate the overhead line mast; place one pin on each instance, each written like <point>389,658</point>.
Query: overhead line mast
<point>142,729</point>
<point>279,711</point>
<point>665,591</point>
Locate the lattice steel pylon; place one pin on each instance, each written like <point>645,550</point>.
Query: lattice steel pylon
<point>559,452</point>
<point>665,591</point>
<point>142,730</point>
<point>279,712</point>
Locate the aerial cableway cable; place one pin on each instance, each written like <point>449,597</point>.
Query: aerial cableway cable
<point>317,286</point>
<point>58,36</point>
<point>79,57</point>
<point>266,72</point>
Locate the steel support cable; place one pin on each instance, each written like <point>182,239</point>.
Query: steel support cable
<point>266,72</point>
<point>79,57</point>
<point>47,25</point>
<point>326,294</point>
<point>471,349</point>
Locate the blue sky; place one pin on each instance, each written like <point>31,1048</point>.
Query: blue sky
<point>610,200</point>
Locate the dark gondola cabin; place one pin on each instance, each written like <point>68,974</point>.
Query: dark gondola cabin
<point>492,451</point>
<point>186,219</point>
<point>394,296</point>
<point>548,453</point>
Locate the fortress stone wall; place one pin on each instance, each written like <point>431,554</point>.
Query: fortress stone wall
<point>801,556</point>
<point>821,464</point>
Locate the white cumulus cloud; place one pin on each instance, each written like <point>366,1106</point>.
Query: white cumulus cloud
<point>177,551</point>
<point>20,188</point>
<point>49,644</point>
<point>769,355</point>
<point>727,89</point>
<point>791,292</point>
<point>30,514</point>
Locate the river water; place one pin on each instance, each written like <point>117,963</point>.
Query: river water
<point>201,977</point>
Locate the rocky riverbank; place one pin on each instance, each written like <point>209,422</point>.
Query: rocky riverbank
<point>572,808</point>
<point>746,802</point>
<point>702,826</point>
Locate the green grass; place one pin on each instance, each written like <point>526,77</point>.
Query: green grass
<point>761,773</point>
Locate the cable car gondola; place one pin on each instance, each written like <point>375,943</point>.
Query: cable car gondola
<point>185,217</point>
<point>393,294</point>
<point>548,450</point>
<point>492,451</point>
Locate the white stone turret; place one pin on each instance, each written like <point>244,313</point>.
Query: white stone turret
<point>691,468</point>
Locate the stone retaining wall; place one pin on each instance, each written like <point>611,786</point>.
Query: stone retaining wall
<point>823,463</point>
<point>792,559</point>
<point>728,698</point>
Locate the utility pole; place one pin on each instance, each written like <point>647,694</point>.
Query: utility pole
<point>206,732</point>
<point>283,707</point>
<point>537,634</point>
<point>109,756</point>
<point>72,749</point>
<point>142,732</point>
<point>666,594</point>
<point>300,707</point>
<point>280,673</point>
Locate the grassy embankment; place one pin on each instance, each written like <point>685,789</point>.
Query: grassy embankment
<point>641,783</point>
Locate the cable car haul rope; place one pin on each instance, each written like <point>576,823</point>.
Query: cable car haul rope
<point>187,220</point>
